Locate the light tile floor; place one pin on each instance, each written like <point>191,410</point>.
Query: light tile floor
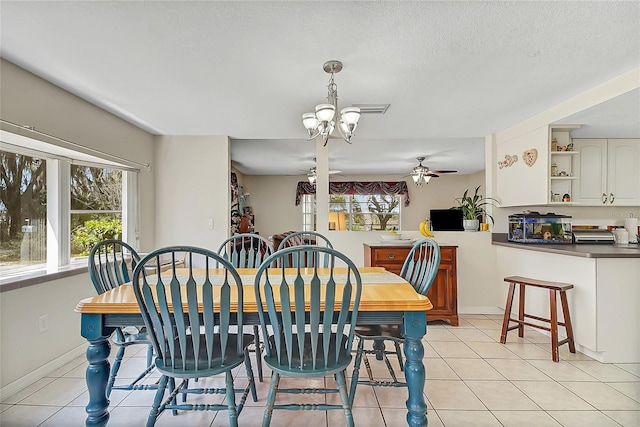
<point>472,380</point>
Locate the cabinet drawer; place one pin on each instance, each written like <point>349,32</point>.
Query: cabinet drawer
<point>446,254</point>
<point>391,255</point>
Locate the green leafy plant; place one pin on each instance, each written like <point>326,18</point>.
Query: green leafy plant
<point>473,206</point>
<point>86,236</point>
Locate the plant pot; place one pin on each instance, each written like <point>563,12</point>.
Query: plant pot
<point>470,224</point>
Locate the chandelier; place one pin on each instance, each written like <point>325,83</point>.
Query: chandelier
<point>322,122</point>
<point>421,174</point>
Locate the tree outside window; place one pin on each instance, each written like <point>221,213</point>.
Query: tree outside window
<point>23,210</point>
<point>96,207</point>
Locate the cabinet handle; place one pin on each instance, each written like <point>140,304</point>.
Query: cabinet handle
<point>604,198</point>
<point>391,256</point>
<point>611,198</point>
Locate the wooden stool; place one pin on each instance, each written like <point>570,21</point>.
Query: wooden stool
<point>520,322</point>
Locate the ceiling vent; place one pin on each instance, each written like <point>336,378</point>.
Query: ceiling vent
<point>372,108</point>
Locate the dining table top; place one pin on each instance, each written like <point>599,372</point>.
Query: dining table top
<point>381,291</point>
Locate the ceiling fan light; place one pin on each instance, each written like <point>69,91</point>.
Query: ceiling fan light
<point>350,115</point>
<point>325,112</point>
<point>309,121</point>
<point>312,178</point>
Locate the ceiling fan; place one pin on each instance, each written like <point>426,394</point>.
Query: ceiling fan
<point>422,174</point>
<point>312,175</point>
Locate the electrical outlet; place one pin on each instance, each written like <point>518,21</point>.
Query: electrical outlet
<point>43,323</point>
<point>210,223</point>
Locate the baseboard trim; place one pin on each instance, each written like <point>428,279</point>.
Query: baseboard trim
<point>37,374</point>
<point>480,310</point>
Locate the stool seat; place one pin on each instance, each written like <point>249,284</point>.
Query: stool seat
<point>554,288</point>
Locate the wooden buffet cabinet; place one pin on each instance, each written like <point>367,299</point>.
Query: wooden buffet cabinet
<point>443,293</point>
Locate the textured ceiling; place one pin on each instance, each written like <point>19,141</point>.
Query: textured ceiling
<point>453,72</point>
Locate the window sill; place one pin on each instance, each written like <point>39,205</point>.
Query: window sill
<point>42,276</point>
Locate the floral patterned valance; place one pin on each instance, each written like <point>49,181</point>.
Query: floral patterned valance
<point>357,187</point>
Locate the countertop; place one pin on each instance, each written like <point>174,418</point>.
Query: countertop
<point>582,250</point>
<point>402,245</point>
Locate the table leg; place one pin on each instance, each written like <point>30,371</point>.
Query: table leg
<point>415,326</point>
<point>97,373</point>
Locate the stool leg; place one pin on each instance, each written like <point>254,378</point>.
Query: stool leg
<point>567,321</point>
<point>507,313</point>
<point>521,310</point>
<point>554,325</point>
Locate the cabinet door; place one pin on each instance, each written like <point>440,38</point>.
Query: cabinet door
<point>590,166</point>
<point>623,175</point>
<point>440,292</point>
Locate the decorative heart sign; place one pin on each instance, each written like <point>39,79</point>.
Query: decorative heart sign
<point>530,156</point>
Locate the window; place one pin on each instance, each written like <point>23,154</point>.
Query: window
<point>308,212</point>
<point>356,212</point>
<point>23,212</point>
<point>55,204</point>
<point>96,207</point>
<point>364,212</point>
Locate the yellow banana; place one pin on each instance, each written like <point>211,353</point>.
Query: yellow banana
<point>424,229</point>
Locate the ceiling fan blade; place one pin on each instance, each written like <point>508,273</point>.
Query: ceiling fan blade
<point>447,171</point>
<point>433,175</point>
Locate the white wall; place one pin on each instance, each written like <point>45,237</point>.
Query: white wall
<point>28,100</point>
<point>192,187</point>
<point>24,349</point>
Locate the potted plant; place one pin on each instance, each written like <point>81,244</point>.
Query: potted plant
<point>473,208</point>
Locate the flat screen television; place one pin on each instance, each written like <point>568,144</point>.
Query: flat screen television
<point>446,219</point>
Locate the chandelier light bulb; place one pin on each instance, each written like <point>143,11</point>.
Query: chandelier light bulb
<point>309,121</point>
<point>350,115</point>
<point>325,112</point>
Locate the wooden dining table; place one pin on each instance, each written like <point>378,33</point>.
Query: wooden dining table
<point>386,299</point>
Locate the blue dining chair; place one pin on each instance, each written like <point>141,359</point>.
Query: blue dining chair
<point>308,317</point>
<point>248,251</point>
<point>306,238</point>
<point>419,269</point>
<point>191,314</point>
<point>245,250</point>
<point>110,265</point>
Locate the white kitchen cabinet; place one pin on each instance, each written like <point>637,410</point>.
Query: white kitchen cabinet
<point>608,171</point>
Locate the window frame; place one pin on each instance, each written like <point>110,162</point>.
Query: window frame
<point>58,248</point>
<point>309,218</point>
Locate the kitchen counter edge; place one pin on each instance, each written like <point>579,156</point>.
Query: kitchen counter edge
<point>580,250</point>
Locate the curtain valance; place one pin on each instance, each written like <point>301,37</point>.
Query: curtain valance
<point>357,187</point>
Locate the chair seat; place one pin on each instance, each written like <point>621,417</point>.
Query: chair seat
<point>305,367</point>
<point>196,367</point>
<point>388,332</point>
